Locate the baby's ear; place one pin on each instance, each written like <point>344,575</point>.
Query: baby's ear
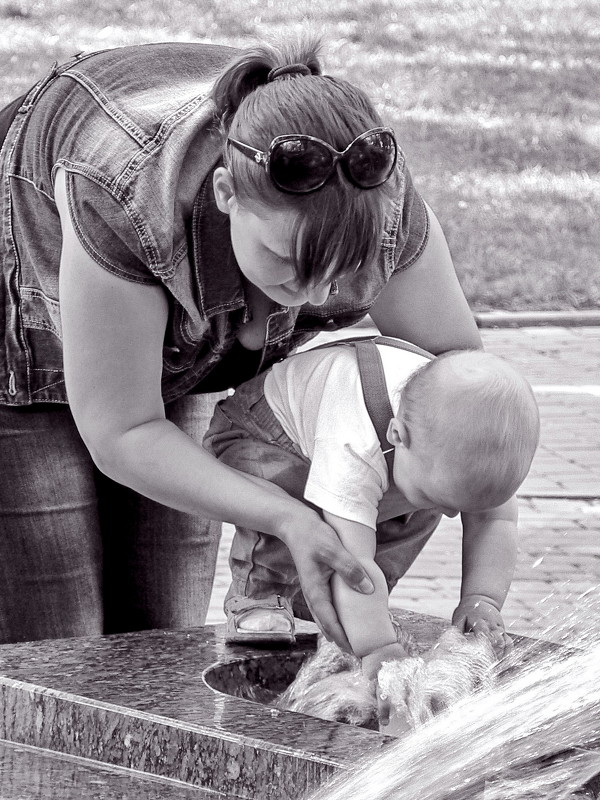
<point>397,433</point>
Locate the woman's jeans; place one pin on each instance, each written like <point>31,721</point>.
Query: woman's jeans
<point>81,555</point>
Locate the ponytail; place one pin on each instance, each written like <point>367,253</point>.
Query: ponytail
<point>255,67</point>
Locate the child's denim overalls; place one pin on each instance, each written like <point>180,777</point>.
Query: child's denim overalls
<point>246,435</point>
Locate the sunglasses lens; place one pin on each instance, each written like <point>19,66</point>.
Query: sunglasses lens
<point>300,165</point>
<point>371,159</point>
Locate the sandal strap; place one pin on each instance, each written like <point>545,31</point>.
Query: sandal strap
<point>275,602</point>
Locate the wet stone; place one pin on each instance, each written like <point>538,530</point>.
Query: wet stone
<point>139,701</point>
<point>28,772</point>
<point>169,713</point>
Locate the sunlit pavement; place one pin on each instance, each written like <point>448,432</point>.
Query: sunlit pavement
<point>559,502</point>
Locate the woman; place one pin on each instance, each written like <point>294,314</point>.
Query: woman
<point>160,245</point>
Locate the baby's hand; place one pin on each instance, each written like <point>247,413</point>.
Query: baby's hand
<point>477,614</point>
<point>371,664</point>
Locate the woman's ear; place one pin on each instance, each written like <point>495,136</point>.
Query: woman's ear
<point>397,433</point>
<point>223,189</point>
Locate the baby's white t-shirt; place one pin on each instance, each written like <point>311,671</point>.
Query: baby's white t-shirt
<point>317,398</point>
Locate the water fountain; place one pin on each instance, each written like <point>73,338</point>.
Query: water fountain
<point>536,736</point>
<point>179,713</point>
<point>532,732</point>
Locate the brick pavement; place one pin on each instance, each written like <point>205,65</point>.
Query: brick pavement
<point>559,503</point>
<point>563,365</point>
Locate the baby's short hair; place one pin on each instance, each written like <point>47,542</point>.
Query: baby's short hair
<point>476,415</point>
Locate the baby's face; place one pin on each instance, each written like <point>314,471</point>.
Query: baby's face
<point>428,479</point>
<point>423,485</point>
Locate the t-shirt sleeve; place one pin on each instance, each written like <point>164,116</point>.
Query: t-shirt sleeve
<point>348,474</point>
<point>345,482</point>
<point>411,224</point>
<point>105,231</point>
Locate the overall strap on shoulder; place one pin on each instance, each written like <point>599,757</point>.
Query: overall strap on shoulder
<point>374,386</point>
<point>375,394</point>
<point>402,344</point>
<point>390,341</point>
<point>372,377</point>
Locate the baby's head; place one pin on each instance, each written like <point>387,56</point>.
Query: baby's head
<point>465,434</point>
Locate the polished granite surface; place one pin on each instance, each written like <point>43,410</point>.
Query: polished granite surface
<point>28,772</point>
<point>140,701</point>
<point>159,705</point>
<point>161,673</point>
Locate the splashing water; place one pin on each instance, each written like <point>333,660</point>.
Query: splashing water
<point>519,740</point>
<point>331,685</point>
<point>419,688</point>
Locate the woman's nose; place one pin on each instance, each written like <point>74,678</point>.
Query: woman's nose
<point>317,295</point>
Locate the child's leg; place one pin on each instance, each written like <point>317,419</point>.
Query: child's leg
<point>264,582</point>
<point>400,540</point>
<point>261,565</point>
<point>245,435</point>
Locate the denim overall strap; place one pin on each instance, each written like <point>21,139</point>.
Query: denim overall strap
<point>375,394</point>
<point>373,382</point>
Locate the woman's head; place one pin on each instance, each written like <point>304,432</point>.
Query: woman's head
<point>331,231</point>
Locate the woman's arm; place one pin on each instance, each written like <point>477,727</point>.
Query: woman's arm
<point>425,304</point>
<point>113,332</point>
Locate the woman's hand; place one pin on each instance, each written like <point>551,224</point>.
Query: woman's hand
<point>318,553</point>
<point>478,615</point>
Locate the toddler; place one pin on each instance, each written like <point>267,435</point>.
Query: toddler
<point>384,439</point>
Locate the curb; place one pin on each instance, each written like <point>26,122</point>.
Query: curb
<point>557,495</point>
<point>524,319</point>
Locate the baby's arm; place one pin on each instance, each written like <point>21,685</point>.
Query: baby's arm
<point>365,618</point>
<point>489,556</point>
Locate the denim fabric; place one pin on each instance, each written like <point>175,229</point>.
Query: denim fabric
<point>121,123</point>
<point>246,435</point>
<point>81,555</point>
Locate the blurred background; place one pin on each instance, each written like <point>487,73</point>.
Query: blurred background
<point>495,104</point>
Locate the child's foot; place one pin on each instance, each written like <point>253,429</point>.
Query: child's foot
<point>264,620</point>
<point>269,619</point>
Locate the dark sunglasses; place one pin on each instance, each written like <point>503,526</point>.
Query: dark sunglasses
<point>298,164</point>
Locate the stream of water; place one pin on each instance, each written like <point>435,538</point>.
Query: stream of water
<point>516,738</point>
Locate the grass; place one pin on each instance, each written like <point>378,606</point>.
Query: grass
<point>494,102</point>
